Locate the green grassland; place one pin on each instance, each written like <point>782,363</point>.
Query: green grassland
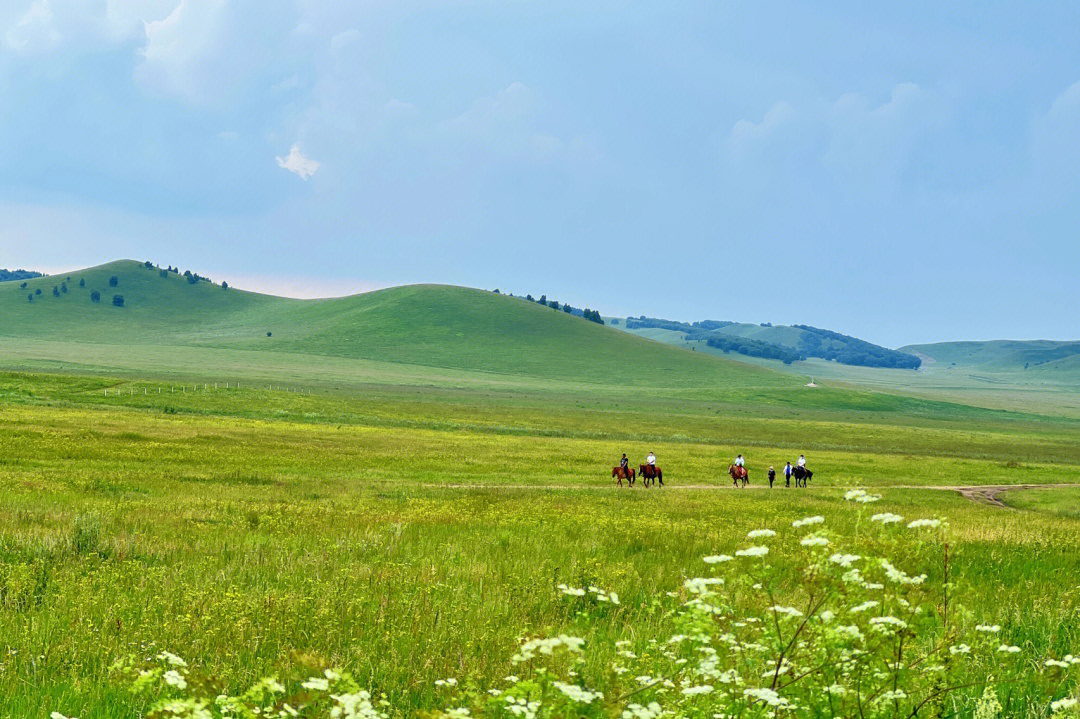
<point>396,483</point>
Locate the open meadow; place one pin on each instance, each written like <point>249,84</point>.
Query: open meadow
<point>405,484</point>
<point>409,532</point>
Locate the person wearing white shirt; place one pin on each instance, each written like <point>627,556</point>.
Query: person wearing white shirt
<point>801,462</point>
<point>740,462</point>
<point>651,460</point>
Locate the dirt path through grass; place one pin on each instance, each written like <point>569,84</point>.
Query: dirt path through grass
<point>982,494</point>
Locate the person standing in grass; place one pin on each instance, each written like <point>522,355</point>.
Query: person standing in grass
<point>772,476</point>
<point>788,471</point>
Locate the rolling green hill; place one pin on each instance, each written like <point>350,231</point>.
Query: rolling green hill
<point>1002,355</point>
<point>436,326</point>
<point>787,343</point>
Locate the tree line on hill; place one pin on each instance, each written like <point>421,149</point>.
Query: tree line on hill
<point>114,281</point>
<point>813,342</point>
<point>11,275</point>
<point>590,315</point>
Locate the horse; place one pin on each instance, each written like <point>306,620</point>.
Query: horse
<point>622,473</point>
<point>802,475</point>
<point>651,471</point>
<point>738,473</point>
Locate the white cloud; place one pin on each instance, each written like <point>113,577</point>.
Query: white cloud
<point>183,49</point>
<point>47,25</point>
<point>851,135</point>
<point>34,31</point>
<point>298,164</point>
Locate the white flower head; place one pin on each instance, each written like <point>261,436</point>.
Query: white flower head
<point>887,518</point>
<point>752,552</point>
<point>807,521</point>
<point>756,533</point>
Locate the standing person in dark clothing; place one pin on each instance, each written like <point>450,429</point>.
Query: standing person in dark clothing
<point>772,476</point>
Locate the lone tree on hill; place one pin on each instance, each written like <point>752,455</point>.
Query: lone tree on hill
<point>37,291</point>
<point>114,281</point>
<point>148,265</point>
<point>82,282</point>
<point>95,296</point>
<point>63,288</point>
<point>30,297</point>
<point>118,300</point>
<point>543,300</point>
<point>55,291</point>
<point>224,285</point>
<point>163,273</point>
<point>269,334</point>
<point>22,286</point>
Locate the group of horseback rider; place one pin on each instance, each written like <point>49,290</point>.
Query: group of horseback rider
<point>650,473</point>
<point>737,470</point>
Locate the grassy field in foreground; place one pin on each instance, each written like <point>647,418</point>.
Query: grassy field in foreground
<point>251,529</point>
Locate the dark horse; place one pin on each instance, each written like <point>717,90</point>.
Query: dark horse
<point>650,471</point>
<point>738,473</point>
<point>622,473</point>
<point>802,475</point>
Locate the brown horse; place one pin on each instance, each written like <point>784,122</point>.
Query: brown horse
<point>738,473</point>
<point>622,473</point>
<point>650,471</point>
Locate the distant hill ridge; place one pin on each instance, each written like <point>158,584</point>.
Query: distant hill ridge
<point>431,325</point>
<point>787,343</point>
<point>1004,355</point>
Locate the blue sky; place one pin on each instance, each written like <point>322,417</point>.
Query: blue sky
<point>900,171</point>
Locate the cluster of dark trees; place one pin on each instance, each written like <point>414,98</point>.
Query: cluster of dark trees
<point>9,275</point>
<point>590,315</point>
<point>845,349</point>
<point>62,289</point>
<point>814,342</point>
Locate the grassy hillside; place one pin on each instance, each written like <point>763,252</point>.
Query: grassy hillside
<point>436,326</point>
<point>1003,354</point>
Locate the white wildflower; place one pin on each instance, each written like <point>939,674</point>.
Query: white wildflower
<point>924,523</point>
<point>717,558</point>
<point>754,534</point>
<point>844,560</point>
<point>887,518</point>
<point>175,679</point>
<point>814,540</point>
<point>752,552</point>
<point>807,521</point>
<point>576,693</point>
<point>869,604</point>
<point>991,628</point>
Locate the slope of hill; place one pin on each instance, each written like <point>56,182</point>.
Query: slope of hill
<point>437,326</point>
<point>787,343</point>
<point>1002,354</point>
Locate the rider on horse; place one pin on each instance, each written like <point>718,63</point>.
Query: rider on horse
<point>740,462</point>
<point>651,459</point>
<point>624,462</point>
